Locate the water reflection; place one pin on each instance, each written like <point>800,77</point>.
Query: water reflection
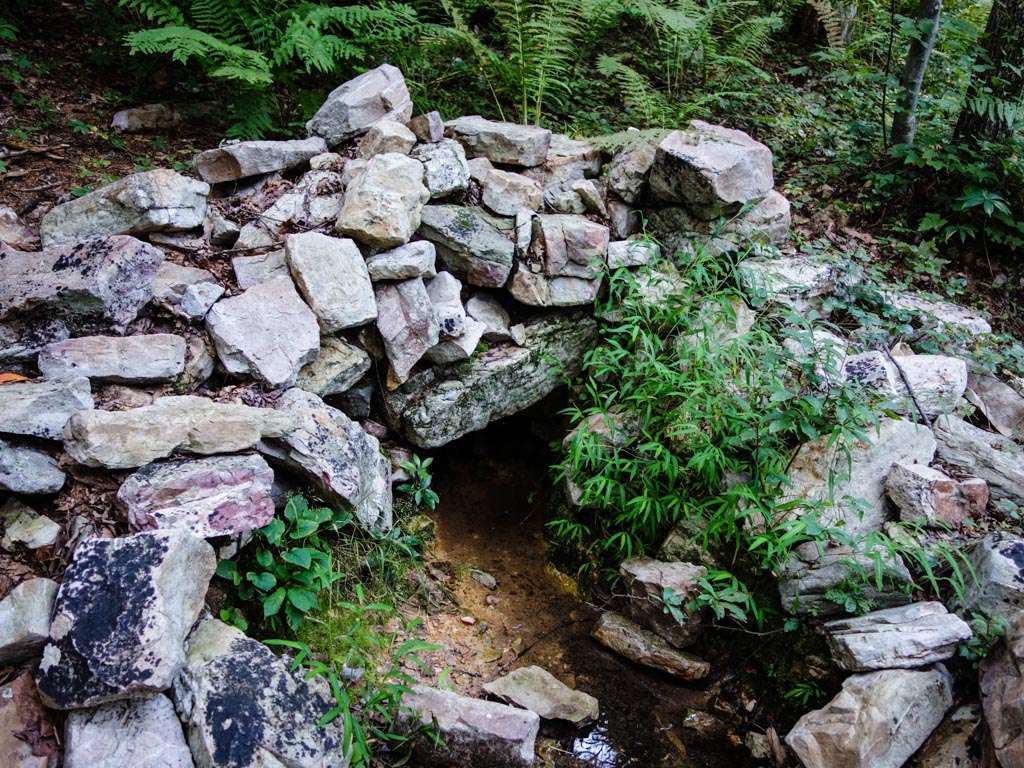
<point>596,749</point>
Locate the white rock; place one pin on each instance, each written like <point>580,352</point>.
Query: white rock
<point>428,128</point>
<point>144,733</point>
<point>14,232</point>
<point>354,106</point>
<point>259,268</point>
<point>407,324</point>
<point>416,259</point>
<point>536,689</point>
<point>122,359</point>
<point>1001,405</point>
<point>28,470</point>
<point>445,292</point>
<point>248,158</point>
<point>941,312</point>
<point>506,143</point>
<point>506,193</point>
<point>468,244</point>
<point>186,292</point>
<point>25,619</point>
<point>41,407</point>
<point>452,350</point>
<point>995,459</point>
<point>338,368</point>
<point>632,253</point>
<point>627,172</point>
<point>998,586</point>
<point>383,204</point>
<point>799,282</point>
<point>445,167</point>
<point>487,310</point>
<point>386,136</point>
<point>647,581</point>
<point>24,527</point>
<point>331,275</point>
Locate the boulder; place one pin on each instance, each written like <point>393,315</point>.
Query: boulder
<point>131,438</point>
<point>25,620</point>
<point>21,715</point>
<point>242,706</point>
<point>487,310</point>
<point>28,470</point>
<point>628,170</point>
<point>186,292</point>
<point>24,527</point>
<point>505,143</point>
<point>259,268</point>
<point>973,451</point>
<point>337,455</point>
<point>444,166</point>
<point>438,406</point>
<point>710,169</point>
<point>352,107</point>
<point>407,324</point>
<point>468,244</point>
<point>646,648</point>
<point>14,232</point>
<point>1001,682</point>
<point>1001,405</point>
<point>122,359</point>
<point>383,204</point>
<point>123,611</point>
<point>799,282</point>
<point>649,583</point>
<point>331,274</point>
<point>506,193</point>
<point>878,719</point>
<point>99,283</point>
<point>536,689</point>
<point>416,259</point>
<point>906,637</point>
<point>428,127</point>
<point>215,496</point>
<point>339,367</point>
<point>152,201</point>
<point>926,495</point>
<point>238,160</point>
<point>936,381</point>
<point>144,733</point>
<point>445,292</point>
<point>41,408</point>
<point>997,588</point>
<point>473,733</point>
<point>266,332</point>
<point>632,253</point>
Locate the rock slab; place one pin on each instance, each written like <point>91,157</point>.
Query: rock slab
<point>331,274</point>
<point>536,689</point>
<point>138,359</point>
<point>42,407</point>
<point>643,647</point>
<point>144,733</point>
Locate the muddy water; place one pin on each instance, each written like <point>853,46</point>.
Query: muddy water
<point>494,490</point>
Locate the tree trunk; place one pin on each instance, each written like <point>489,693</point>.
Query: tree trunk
<point>998,77</point>
<point>904,123</point>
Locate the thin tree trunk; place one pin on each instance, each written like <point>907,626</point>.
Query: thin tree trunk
<point>999,74</point>
<point>904,123</point>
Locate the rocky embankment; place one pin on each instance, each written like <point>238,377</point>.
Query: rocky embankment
<point>300,309</point>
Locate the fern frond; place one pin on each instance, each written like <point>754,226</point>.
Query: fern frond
<point>165,12</point>
<point>832,21</point>
<point>220,58</point>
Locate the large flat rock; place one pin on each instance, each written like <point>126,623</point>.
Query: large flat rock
<point>536,689</point>
<point>144,733</point>
<point>468,244</point>
<point>42,407</point>
<point>505,143</point>
<point>141,359</point>
<point>24,469</point>
<point>248,158</point>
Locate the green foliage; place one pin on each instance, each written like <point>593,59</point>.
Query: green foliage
<point>807,692</point>
<point>986,632</point>
<point>418,486</point>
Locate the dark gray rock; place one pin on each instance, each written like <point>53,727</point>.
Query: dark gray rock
<point>468,244</point>
<point>28,470</point>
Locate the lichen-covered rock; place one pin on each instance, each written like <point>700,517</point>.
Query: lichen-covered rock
<point>452,349</point>
<point>240,159</point>
<point>266,332</point>
<point>123,611</point>
<point>438,406</point>
<point>995,459</point>
<point>906,637</point>
<point>878,720</point>
<point>468,244</point>
<point>42,407</point>
<point>24,527</point>
<point>647,581</point>
<point>215,496</point>
<point>536,689</point>
<point>28,470</point>
<point>21,713</point>
<point>940,312</point>
<point>99,283</point>
<point>352,107</point>
<point>337,455</point>
<point>416,259</point>
<point>445,292</point>
<point>711,169</point>
<point>937,382</point>
<point>186,423</point>
<point>144,733</point>
<point>632,253</point>
<point>445,168</point>
<point>383,204</point>
<point>997,584</point>
<point>122,359</point>
<point>474,733</point>
<point>242,707</point>
<point>505,143</point>
<point>799,282</point>
<point>926,495</point>
<point>151,201</point>
<point>628,170</point>
<point>407,324</point>
<point>331,274</point>
<point>25,619</point>
<point>339,367</point>
<point>643,647</point>
<point>186,292</point>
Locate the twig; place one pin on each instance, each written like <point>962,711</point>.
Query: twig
<point>41,188</point>
<point>906,383</point>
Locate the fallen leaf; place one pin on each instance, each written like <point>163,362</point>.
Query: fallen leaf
<point>9,377</point>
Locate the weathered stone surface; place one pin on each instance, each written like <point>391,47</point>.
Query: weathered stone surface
<point>438,406</point>
<point>248,158</point>
<point>352,107</point>
<point>506,143</point>
<point>941,312</point>
<point>799,282</point>
<point>266,332</point>
<point>628,170</point>
<point>505,192</point>
<point>643,647</point>
<point>570,159</point>
<point>259,268</point>
<point>148,117</point>
<point>536,689</point>
<point>475,734</point>
<point>936,381</point>
<point>878,720</point>
<point>926,495</point>
<point>820,472</point>
<point>407,324</point>
<point>315,200</point>
<point>486,309</point>
<point>647,581</point>
<point>998,563</point>
<point>241,706</point>
<point>538,290</point>
<point>27,470</point>
<point>383,204</point>
<point>25,619</point>
<point>622,219</point>
<point>632,253</point>
<point>339,367</point>
<point>122,614</point>
<point>144,733</point>
<point>407,261</point>
<point>331,161</point>
<point>42,407</point>
<point>906,637</point>
<point>1000,403</point>
<point>386,136</point>
<point>445,292</point>
<point>568,245</point>
<point>186,292</point>
<point>102,282</point>
<point>468,244</point>
<point>331,274</point>
<point>24,527</point>
<point>995,459</point>
<point>14,232</point>
<point>22,713</point>
<point>151,201</point>
<point>122,359</point>
<point>445,168</point>
<point>711,169</point>
<point>454,349</point>
<point>131,438</point>
<point>337,455</point>
<point>428,127</point>
<point>1002,698</point>
<point>216,496</point>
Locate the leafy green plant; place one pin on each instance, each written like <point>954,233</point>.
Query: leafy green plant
<point>418,486</point>
<point>987,631</point>
<point>806,692</point>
